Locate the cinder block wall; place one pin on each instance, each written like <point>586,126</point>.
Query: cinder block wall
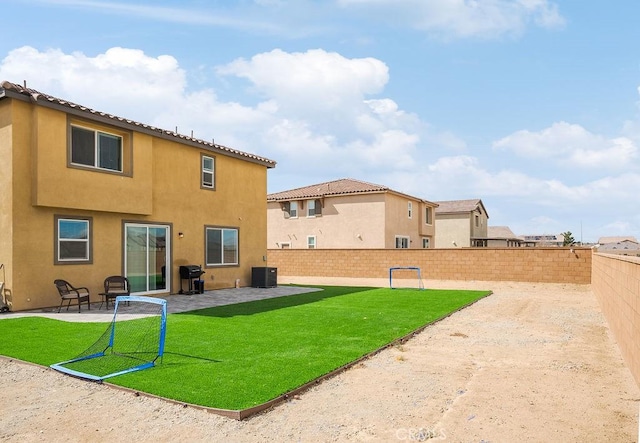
<point>616,284</point>
<point>539,265</point>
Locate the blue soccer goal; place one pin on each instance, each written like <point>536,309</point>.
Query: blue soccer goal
<point>133,341</point>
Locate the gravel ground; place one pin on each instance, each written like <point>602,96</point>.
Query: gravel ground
<point>532,363</point>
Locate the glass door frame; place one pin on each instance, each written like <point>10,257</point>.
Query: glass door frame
<point>167,254</point>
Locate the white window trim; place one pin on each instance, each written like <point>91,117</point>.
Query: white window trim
<point>426,240</point>
<point>402,237</point>
<point>291,203</point>
<point>237,245</point>
<point>88,241</point>
<point>410,209</point>
<point>96,153</point>
<point>311,203</point>
<point>315,242</point>
<point>211,171</point>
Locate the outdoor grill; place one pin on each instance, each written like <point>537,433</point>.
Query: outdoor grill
<point>191,273</point>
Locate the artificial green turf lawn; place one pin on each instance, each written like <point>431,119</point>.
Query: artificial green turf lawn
<point>239,356</point>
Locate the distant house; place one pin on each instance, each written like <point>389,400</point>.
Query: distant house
<point>500,237</point>
<point>85,195</point>
<point>546,240</point>
<point>607,240</point>
<point>461,223</point>
<point>349,214</point>
<point>619,246</point>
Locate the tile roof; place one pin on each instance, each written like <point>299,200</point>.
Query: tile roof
<point>17,91</point>
<point>500,232</point>
<point>456,206</point>
<point>605,240</point>
<point>345,186</point>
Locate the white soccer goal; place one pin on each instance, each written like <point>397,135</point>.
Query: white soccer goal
<point>420,284</point>
<point>127,345</point>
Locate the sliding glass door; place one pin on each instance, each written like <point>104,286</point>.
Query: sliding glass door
<point>146,256</point>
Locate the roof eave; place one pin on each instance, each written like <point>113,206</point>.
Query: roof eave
<point>84,112</point>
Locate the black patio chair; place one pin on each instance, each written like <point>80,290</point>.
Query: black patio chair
<point>114,286</point>
<point>69,292</point>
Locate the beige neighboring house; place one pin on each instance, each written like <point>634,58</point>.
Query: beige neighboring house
<point>348,214</point>
<point>500,237</point>
<point>461,223</point>
<point>619,245</point>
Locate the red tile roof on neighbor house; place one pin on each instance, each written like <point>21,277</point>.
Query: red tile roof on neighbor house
<point>13,90</point>
<point>345,186</point>
<point>460,206</point>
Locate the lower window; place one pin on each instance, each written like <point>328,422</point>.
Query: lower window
<point>73,240</point>
<point>402,242</point>
<point>311,242</point>
<point>221,246</point>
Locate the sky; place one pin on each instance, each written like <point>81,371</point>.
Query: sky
<point>532,106</point>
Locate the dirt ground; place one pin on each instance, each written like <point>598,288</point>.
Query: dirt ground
<point>530,363</point>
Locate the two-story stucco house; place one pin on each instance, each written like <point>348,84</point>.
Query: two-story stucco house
<point>349,214</point>
<point>85,195</point>
<point>461,223</point>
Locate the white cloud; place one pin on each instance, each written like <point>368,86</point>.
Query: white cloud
<point>314,79</point>
<point>120,81</point>
<point>571,145</point>
<point>464,18</point>
<point>456,173</point>
<point>182,15</point>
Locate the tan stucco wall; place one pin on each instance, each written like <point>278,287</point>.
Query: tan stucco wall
<point>350,222</point>
<point>76,188</point>
<point>450,229</point>
<point>165,183</point>
<point>399,223</point>
<point>355,221</point>
<point>460,228</point>
<point>549,265</point>
<point>6,190</point>
<point>616,284</point>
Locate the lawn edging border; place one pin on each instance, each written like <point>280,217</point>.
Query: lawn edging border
<point>242,414</point>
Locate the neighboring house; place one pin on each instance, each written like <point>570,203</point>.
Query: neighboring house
<point>499,237</point>
<point>607,240</point>
<point>348,214</point>
<point>85,195</point>
<point>461,223</point>
<point>543,240</point>
<point>619,245</point>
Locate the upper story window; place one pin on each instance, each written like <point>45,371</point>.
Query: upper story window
<point>102,148</point>
<point>311,208</point>
<point>402,242</point>
<point>314,208</point>
<point>477,217</point>
<point>410,209</point>
<point>290,209</point>
<point>208,172</point>
<point>426,242</point>
<point>96,149</point>
<point>73,240</point>
<point>428,215</point>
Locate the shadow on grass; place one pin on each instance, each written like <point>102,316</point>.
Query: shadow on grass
<point>272,304</point>
<point>178,358</point>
